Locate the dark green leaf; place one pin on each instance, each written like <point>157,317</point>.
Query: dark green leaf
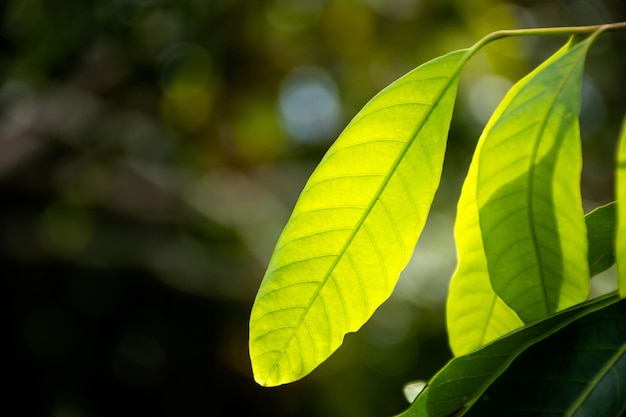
<point>466,379</point>
<point>578,371</point>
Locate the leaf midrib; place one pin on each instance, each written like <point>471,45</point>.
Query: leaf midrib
<point>531,177</point>
<point>371,205</point>
<point>608,366</point>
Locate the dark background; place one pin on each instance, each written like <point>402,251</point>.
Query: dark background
<point>150,154</point>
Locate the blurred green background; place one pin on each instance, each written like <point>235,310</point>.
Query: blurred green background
<point>150,154</point>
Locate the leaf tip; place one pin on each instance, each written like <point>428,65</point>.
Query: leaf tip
<point>266,379</point>
<point>262,380</point>
<point>265,374</point>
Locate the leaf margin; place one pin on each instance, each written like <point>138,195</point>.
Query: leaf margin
<point>263,376</point>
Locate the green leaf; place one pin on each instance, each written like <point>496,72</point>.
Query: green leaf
<point>620,192</point>
<point>528,190</point>
<point>601,237</point>
<point>564,362</point>
<point>475,314</point>
<point>582,367</point>
<point>355,225</point>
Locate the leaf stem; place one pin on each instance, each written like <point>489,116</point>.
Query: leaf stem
<point>550,31</point>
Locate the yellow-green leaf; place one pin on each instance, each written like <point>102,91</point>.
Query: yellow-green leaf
<point>475,314</point>
<point>620,241</point>
<point>355,225</point>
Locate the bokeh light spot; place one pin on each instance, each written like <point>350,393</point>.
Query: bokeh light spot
<point>412,389</point>
<point>309,105</point>
<point>254,130</point>
<point>188,86</point>
<point>485,95</point>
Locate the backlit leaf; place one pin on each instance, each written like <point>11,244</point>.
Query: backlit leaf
<point>528,190</point>
<point>620,243</point>
<point>475,314</point>
<point>355,225</point>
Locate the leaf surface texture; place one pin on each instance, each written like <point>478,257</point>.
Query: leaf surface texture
<point>576,356</point>
<point>514,240</point>
<point>475,315</point>
<point>582,367</point>
<point>528,190</point>
<point>355,224</point>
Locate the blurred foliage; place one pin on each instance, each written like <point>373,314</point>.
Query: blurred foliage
<point>151,151</point>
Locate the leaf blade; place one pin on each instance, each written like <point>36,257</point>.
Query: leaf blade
<point>582,366</point>
<point>620,192</point>
<point>475,315</point>
<point>357,220</point>
<point>456,388</point>
<point>530,162</point>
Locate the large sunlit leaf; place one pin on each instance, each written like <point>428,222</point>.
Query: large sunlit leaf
<point>620,192</point>
<point>475,315</point>
<point>564,362</point>
<point>601,237</point>
<point>355,225</point>
<point>528,190</point>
